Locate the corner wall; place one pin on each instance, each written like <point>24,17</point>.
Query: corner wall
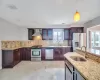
<point>92,23</point>
<point>9,31</point>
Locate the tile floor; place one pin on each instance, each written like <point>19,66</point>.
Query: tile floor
<point>27,70</point>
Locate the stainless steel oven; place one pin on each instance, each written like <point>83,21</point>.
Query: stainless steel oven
<point>35,54</point>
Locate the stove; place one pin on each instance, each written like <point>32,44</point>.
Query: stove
<point>36,54</point>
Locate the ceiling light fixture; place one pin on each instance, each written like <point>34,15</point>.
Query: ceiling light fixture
<point>76,16</point>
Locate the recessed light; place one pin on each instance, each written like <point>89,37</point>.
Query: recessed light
<point>11,6</point>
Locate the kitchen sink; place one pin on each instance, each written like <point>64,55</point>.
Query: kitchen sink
<point>77,58</point>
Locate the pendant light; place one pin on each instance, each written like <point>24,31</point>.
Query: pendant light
<point>76,15</point>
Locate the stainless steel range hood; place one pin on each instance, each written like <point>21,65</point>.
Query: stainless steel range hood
<point>37,33</point>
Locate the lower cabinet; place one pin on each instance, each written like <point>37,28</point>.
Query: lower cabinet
<point>68,74</point>
<point>42,53</point>
<point>10,58</point>
<point>78,76</point>
<point>71,72</point>
<point>25,54</point>
<point>57,54</point>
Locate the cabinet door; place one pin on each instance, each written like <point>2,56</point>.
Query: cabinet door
<point>50,34</point>
<point>78,76</point>
<point>16,56</point>
<point>68,74</point>
<point>25,54</point>
<point>30,33</point>
<point>58,54</point>
<point>44,34</point>
<point>80,30</point>
<point>28,54</point>
<point>43,54</point>
<point>66,34</point>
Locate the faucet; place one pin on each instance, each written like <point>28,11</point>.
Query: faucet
<point>85,50</point>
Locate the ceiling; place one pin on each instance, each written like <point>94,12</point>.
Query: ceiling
<point>45,13</point>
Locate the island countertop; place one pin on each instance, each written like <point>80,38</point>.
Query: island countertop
<point>89,69</point>
<point>92,50</point>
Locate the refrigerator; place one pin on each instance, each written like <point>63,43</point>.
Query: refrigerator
<point>79,40</point>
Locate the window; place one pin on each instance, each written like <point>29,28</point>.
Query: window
<point>58,35</point>
<point>95,39</point>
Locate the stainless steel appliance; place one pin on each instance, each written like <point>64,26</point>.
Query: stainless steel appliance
<point>36,54</point>
<point>79,40</point>
<point>49,53</point>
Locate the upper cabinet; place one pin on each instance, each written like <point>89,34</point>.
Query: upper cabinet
<point>66,34</point>
<point>47,34</point>
<point>30,33</point>
<point>76,30</point>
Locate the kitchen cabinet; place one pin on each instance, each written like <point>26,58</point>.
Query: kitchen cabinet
<point>10,58</point>
<point>57,52</point>
<point>71,72</point>
<point>25,54</point>
<point>68,71</point>
<point>42,53</point>
<point>30,33</point>
<point>78,76</point>
<point>66,34</point>
<point>76,30</point>
<point>47,34</point>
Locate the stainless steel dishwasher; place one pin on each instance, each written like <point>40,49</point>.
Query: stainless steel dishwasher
<point>48,53</point>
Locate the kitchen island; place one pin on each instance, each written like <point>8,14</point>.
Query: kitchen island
<point>88,70</point>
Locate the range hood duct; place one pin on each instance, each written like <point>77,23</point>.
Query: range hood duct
<point>37,33</point>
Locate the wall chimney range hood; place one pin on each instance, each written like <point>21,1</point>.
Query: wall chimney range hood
<point>37,33</point>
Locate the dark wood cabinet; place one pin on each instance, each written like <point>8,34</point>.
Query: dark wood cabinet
<point>42,53</point>
<point>10,58</point>
<point>25,54</point>
<point>47,34</point>
<point>66,34</point>
<point>30,33</point>
<point>58,52</point>
<point>75,30</point>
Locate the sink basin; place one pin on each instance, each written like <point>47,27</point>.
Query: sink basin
<point>77,58</point>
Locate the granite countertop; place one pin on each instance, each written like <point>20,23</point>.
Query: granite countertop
<point>89,69</point>
<point>57,46</point>
<point>14,48</point>
<point>91,50</point>
<point>31,47</point>
<point>9,48</point>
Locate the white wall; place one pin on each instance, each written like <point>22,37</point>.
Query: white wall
<point>9,31</point>
<point>92,23</point>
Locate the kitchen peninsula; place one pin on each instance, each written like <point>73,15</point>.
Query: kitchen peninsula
<point>86,69</point>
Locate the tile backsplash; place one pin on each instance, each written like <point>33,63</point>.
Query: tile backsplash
<point>10,44</point>
<point>29,43</point>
